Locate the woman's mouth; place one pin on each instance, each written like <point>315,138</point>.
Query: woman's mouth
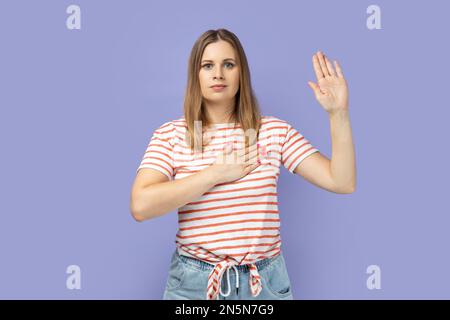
<point>218,88</point>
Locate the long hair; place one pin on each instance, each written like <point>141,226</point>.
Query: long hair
<point>246,111</point>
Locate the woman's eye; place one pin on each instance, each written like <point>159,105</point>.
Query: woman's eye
<point>228,63</point>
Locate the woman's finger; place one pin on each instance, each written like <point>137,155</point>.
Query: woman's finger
<point>315,88</point>
<point>229,147</point>
<point>252,159</point>
<point>330,67</point>
<point>338,69</point>
<point>251,167</point>
<point>253,151</point>
<point>317,69</point>
<point>244,151</point>
<point>323,65</point>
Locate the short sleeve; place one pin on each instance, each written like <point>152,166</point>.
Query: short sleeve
<point>295,148</point>
<point>159,152</point>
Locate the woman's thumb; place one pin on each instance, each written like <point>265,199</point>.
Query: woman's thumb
<point>228,148</point>
<point>315,88</point>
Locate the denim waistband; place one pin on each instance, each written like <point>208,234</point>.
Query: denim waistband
<point>205,266</point>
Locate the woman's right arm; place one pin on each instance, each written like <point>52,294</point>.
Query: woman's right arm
<point>153,195</point>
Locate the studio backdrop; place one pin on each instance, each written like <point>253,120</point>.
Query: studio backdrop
<point>84,84</point>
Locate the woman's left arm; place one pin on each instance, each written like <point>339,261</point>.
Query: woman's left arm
<point>338,174</point>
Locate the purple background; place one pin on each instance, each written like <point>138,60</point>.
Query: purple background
<point>78,108</point>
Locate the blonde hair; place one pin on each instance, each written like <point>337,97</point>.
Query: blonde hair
<point>246,112</point>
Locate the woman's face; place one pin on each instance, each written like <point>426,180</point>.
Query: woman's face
<point>219,66</point>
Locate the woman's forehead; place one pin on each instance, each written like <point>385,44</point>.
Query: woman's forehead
<point>220,51</point>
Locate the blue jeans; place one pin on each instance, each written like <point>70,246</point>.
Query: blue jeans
<point>188,280</point>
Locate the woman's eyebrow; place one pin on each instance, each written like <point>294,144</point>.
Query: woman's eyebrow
<point>223,60</point>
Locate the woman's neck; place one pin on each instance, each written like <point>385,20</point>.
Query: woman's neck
<point>220,114</point>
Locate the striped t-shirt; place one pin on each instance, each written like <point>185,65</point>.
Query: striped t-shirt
<point>233,223</point>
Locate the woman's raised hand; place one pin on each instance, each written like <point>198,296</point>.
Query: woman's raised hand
<point>331,88</point>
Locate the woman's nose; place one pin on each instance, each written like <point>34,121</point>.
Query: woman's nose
<point>218,74</point>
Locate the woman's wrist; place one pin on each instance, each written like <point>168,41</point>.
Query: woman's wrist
<point>211,176</point>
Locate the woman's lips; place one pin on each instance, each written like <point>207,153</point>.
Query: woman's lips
<point>218,88</point>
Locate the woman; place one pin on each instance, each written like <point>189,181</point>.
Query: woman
<point>219,165</point>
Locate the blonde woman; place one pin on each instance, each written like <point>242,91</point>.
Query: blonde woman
<point>219,165</point>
